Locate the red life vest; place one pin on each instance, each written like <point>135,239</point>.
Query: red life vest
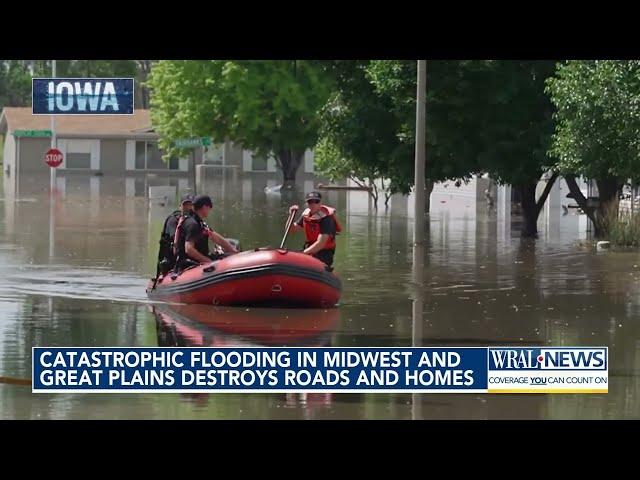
<point>311,224</point>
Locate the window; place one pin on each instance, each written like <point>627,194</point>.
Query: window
<point>174,163</point>
<point>141,151</point>
<point>259,163</point>
<point>78,160</point>
<point>149,157</point>
<point>154,157</point>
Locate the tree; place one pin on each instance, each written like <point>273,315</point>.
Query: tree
<point>516,129</point>
<point>330,163</point>
<point>482,116</point>
<point>371,122</point>
<point>15,83</point>
<point>144,69</point>
<point>270,107</point>
<point>358,134</point>
<point>597,131</point>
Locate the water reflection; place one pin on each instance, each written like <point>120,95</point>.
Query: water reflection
<point>207,326</point>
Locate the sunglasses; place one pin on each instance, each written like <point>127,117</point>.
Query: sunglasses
<point>313,201</point>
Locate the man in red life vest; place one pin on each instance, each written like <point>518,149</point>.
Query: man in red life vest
<point>320,227</point>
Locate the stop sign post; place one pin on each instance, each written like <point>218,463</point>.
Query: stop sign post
<point>53,157</point>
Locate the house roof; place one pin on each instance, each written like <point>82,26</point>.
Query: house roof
<point>137,125</point>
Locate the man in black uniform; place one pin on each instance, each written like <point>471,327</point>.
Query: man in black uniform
<point>166,256</point>
<point>192,237</point>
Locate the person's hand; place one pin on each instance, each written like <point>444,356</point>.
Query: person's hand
<point>293,208</point>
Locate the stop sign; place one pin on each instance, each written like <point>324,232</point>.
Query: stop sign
<point>53,157</point>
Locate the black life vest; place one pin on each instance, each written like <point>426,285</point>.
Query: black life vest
<point>166,237</point>
<point>179,238</point>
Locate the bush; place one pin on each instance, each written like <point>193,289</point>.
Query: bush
<point>621,228</point>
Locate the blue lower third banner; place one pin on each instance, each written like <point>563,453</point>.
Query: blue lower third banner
<point>348,370</point>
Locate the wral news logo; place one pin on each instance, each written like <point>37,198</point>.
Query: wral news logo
<point>548,370</point>
<point>548,358</point>
<point>83,96</point>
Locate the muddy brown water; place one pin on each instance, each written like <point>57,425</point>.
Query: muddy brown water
<point>475,285</point>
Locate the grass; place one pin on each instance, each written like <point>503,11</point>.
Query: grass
<point>622,229</point>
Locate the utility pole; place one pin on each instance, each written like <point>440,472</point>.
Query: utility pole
<point>420,159</point>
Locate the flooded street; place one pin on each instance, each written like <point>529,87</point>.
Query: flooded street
<point>476,283</point>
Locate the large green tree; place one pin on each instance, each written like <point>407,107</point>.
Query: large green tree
<point>598,128</point>
<point>358,135</point>
<point>268,106</point>
<point>482,116</point>
<point>515,128</point>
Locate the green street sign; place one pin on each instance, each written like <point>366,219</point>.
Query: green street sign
<point>32,133</point>
<point>192,142</point>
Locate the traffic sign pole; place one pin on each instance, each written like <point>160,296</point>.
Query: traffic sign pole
<point>52,186</point>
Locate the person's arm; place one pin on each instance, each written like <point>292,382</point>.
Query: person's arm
<point>193,253</point>
<point>318,245</point>
<point>223,242</point>
<point>295,226</point>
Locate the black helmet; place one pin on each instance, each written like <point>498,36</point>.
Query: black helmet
<point>202,200</point>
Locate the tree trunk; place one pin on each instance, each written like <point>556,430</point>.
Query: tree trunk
<point>427,195</point>
<point>531,207</point>
<point>608,189</point>
<point>373,193</point>
<point>527,193</point>
<point>289,160</point>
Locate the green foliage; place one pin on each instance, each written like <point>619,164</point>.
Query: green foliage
<point>15,83</point>
<point>598,118</point>
<point>621,229</point>
<point>266,106</point>
<point>482,116</point>
<point>358,133</point>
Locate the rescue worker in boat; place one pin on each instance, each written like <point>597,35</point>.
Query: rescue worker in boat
<point>192,237</point>
<point>166,256</point>
<point>320,227</point>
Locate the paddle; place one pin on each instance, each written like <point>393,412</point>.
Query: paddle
<point>292,214</point>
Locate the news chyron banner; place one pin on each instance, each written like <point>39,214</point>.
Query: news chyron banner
<point>83,96</point>
<point>348,370</point>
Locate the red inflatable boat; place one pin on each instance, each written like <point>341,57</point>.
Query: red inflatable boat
<point>269,277</point>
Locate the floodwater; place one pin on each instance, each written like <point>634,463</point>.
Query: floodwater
<point>73,273</point>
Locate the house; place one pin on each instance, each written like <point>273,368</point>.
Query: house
<point>111,145</point>
<point>230,155</point>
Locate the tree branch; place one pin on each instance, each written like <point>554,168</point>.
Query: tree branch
<point>579,197</point>
<point>546,191</point>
